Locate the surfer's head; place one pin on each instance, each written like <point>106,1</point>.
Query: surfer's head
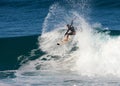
<point>68,25</point>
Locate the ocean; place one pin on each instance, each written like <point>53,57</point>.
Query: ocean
<point>30,30</point>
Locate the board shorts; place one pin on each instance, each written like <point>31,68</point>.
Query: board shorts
<point>72,33</point>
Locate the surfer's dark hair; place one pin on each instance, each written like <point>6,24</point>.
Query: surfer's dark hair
<point>68,25</point>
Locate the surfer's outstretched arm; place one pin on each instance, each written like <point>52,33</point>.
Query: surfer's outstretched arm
<point>71,23</point>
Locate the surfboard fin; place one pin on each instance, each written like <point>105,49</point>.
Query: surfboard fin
<point>58,44</point>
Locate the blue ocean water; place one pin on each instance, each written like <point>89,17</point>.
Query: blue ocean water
<point>20,18</point>
<point>29,30</point>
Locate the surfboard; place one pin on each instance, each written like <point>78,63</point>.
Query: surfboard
<point>64,40</point>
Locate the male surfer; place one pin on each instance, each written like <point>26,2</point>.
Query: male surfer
<point>70,30</point>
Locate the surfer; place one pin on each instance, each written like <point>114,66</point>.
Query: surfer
<point>70,30</point>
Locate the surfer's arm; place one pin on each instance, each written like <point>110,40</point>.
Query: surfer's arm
<point>71,23</point>
<point>67,32</point>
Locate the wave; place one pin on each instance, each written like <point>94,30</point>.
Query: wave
<point>96,53</point>
<point>93,51</point>
<point>90,53</point>
<point>12,47</point>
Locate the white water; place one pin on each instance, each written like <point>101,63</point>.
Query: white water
<point>97,53</point>
<point>94,61</point>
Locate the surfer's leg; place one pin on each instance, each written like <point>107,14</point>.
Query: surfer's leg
<point>68,36</point>
<point>71,33</point>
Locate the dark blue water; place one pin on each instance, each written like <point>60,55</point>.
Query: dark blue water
<point>107,13</point>
<point>20,18</point>
<point>22,23</point>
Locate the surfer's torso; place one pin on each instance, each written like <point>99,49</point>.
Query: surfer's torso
<point>71,28</point>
